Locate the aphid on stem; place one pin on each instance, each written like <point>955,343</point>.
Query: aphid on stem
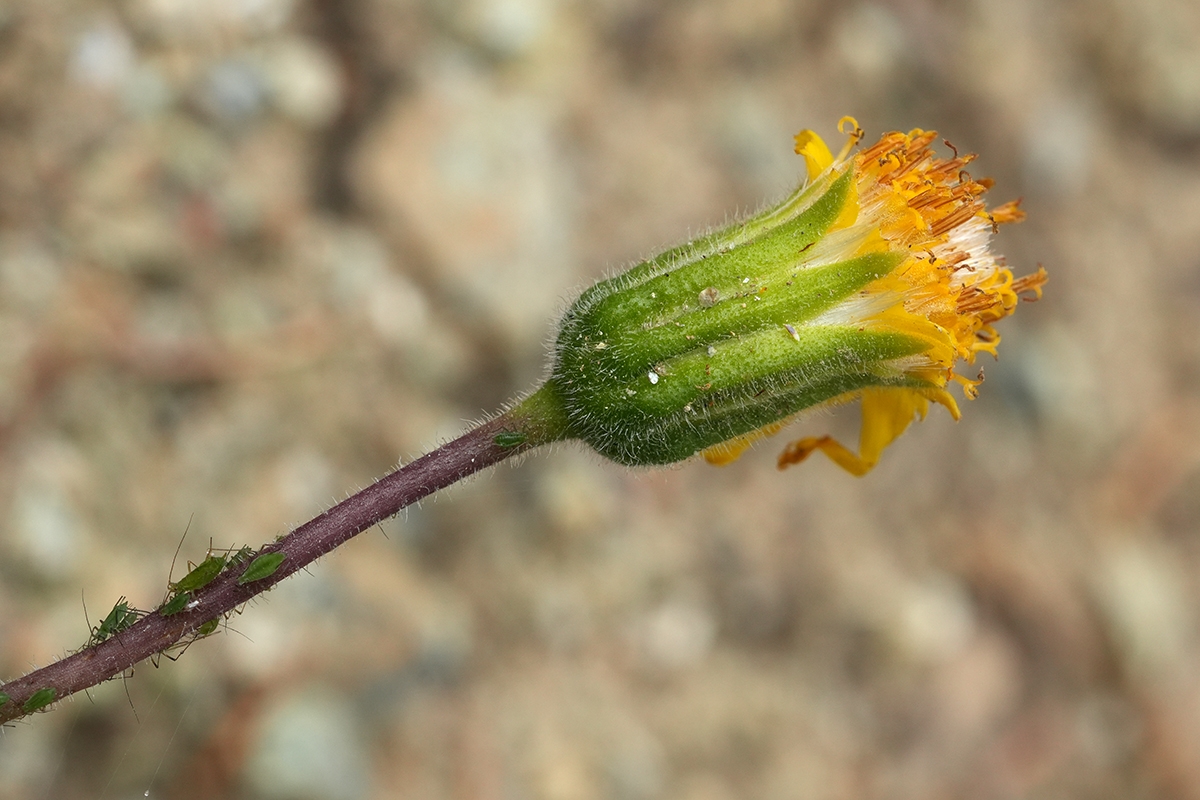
<point>200,575</point>
<point>118,619</point>
<point>262,567</point>
<point>175,604</point>
<point>39,699</point>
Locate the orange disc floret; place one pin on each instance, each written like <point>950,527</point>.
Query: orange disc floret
<point>951,286</point>
<point>948,291</point>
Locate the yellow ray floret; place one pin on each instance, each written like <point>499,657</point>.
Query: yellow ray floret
<point>886,413</point>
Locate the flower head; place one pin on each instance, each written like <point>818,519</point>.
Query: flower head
<point>871,281</point>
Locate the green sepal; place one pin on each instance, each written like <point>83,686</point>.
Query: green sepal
<point>4,698</point>
<point>791,299</point>
<point>751,382</point>
<point>262,567</point>
<point>659,289</point>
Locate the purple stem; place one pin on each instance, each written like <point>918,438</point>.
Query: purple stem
<point>533,423</point>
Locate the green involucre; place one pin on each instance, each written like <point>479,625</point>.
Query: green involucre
<point>721,337</point>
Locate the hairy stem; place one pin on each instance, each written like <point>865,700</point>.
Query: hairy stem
<point>534,422</point>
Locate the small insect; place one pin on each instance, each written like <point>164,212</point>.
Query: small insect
<point>176,650</point>
<point>39,699</point>
<point>201,575</point>
<point>175,604</point>
<point>262,567</point>
<point>241,556</point>
<point>120,618</point>
<point>172,653</point>
<point>208,627</point>
<point>508,439</point>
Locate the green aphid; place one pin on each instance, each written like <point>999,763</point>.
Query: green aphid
<point>176,604</point>
<point>40,699</point>
<point>208,627</point>
<point>508,439</point>
<point>241,556</point>
<point>262,567</point>
<point>4,699</point>
<point>120,618</point>
<point>201,575</point>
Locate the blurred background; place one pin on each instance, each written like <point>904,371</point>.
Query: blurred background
<point>253,253</point>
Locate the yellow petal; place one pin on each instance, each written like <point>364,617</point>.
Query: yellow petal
<point>797,451</point>
<point>817,156</point>
<point>887,412</point>
<point>731,450</point>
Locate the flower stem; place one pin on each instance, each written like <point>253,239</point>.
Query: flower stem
<point>537,420</point>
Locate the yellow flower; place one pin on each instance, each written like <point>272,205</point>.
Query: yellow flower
<point>947,292</point>
<point>871,281</point>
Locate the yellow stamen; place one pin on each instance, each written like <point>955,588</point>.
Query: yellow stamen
<point>1008,212</point>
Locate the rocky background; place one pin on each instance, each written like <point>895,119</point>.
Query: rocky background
<point>254,252</point>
